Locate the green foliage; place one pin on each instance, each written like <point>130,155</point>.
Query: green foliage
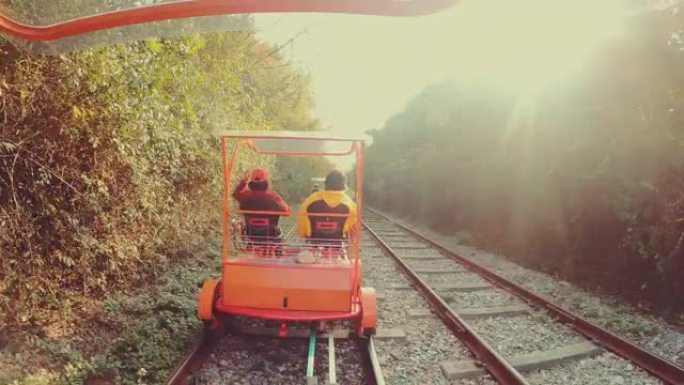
<point>585,178</point>
<point>293,179</point>
<point>108,162</point>
<point>145,334</point>
<point>158,328</point>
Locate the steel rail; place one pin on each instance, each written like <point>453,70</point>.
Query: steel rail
<point>332,368</point>
<point>500,369</point>
<point>192,359</point>
<point>375,363</point>
<point>665,370</point>
<point>205,341</point>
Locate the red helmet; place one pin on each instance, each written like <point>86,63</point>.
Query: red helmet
<point>259,175</point>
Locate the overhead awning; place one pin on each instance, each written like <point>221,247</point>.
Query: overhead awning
<point>59,24</point>
<point>295,142</point>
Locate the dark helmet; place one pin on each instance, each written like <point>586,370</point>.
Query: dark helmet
<point>259,180</point>
<point>335,181</point>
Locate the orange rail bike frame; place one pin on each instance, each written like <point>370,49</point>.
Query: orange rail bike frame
<point>357,148</point>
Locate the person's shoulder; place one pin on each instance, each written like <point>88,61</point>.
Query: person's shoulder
<point>315,195</point>
<point>272,194</point>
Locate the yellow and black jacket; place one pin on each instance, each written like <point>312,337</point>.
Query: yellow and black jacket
<point>329,202</point>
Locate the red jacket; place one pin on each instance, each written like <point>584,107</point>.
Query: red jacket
<point>266,200</point>
<point>261,200</point>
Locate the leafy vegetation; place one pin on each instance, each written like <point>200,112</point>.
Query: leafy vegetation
<point>109,173</point>
<point>293,180</point>
<point>585,179</point>
<point>132,339</point>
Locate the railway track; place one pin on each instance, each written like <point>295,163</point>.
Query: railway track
<point>256,354</point>
<point>253,352</point>
<point>491,315</point>
<point>461,324</point>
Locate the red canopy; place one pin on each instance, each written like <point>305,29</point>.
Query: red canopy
<point>46,20</point>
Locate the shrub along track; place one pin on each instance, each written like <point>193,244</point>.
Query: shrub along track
<point>485,310</point>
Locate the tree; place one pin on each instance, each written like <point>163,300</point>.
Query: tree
<point>585,179</point>
<point>108,161</point>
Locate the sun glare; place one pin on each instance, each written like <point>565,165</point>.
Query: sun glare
<point>528,44</point>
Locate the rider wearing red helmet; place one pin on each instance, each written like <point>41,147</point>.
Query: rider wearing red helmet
<point>255,194</point>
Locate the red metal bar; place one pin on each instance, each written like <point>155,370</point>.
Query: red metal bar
<point>198,8</point>
<point>359,149</point>
<point>227,172</point>
<point>226,200</point>
<point>304,153</point>
<point>502,371</point>
<point>283,213</point>
<point>289,135</point>
<point>287,315</point>
<point>252,146</point>
<point>262,212</point>
<point>665,370</point>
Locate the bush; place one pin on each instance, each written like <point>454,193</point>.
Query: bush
<point>108,163</point>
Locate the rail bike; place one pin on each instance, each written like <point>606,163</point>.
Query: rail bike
<point>286,278</point>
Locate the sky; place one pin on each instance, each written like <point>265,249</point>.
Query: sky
<point>365,69</point>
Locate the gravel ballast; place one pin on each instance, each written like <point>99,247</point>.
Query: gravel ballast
<point>442,264</point>
<point>419,253</point>
<point>479,299</point>
<point>259,360</point>
<point>416,360</point>
<point>454,279</point>
<point>251,360</point>
<point>511,336</point>
<point>610,312</point>
<point>524,334</point>
<point>605,369</point>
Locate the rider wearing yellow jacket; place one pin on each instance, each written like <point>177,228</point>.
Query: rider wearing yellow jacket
<point>332,200</point>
